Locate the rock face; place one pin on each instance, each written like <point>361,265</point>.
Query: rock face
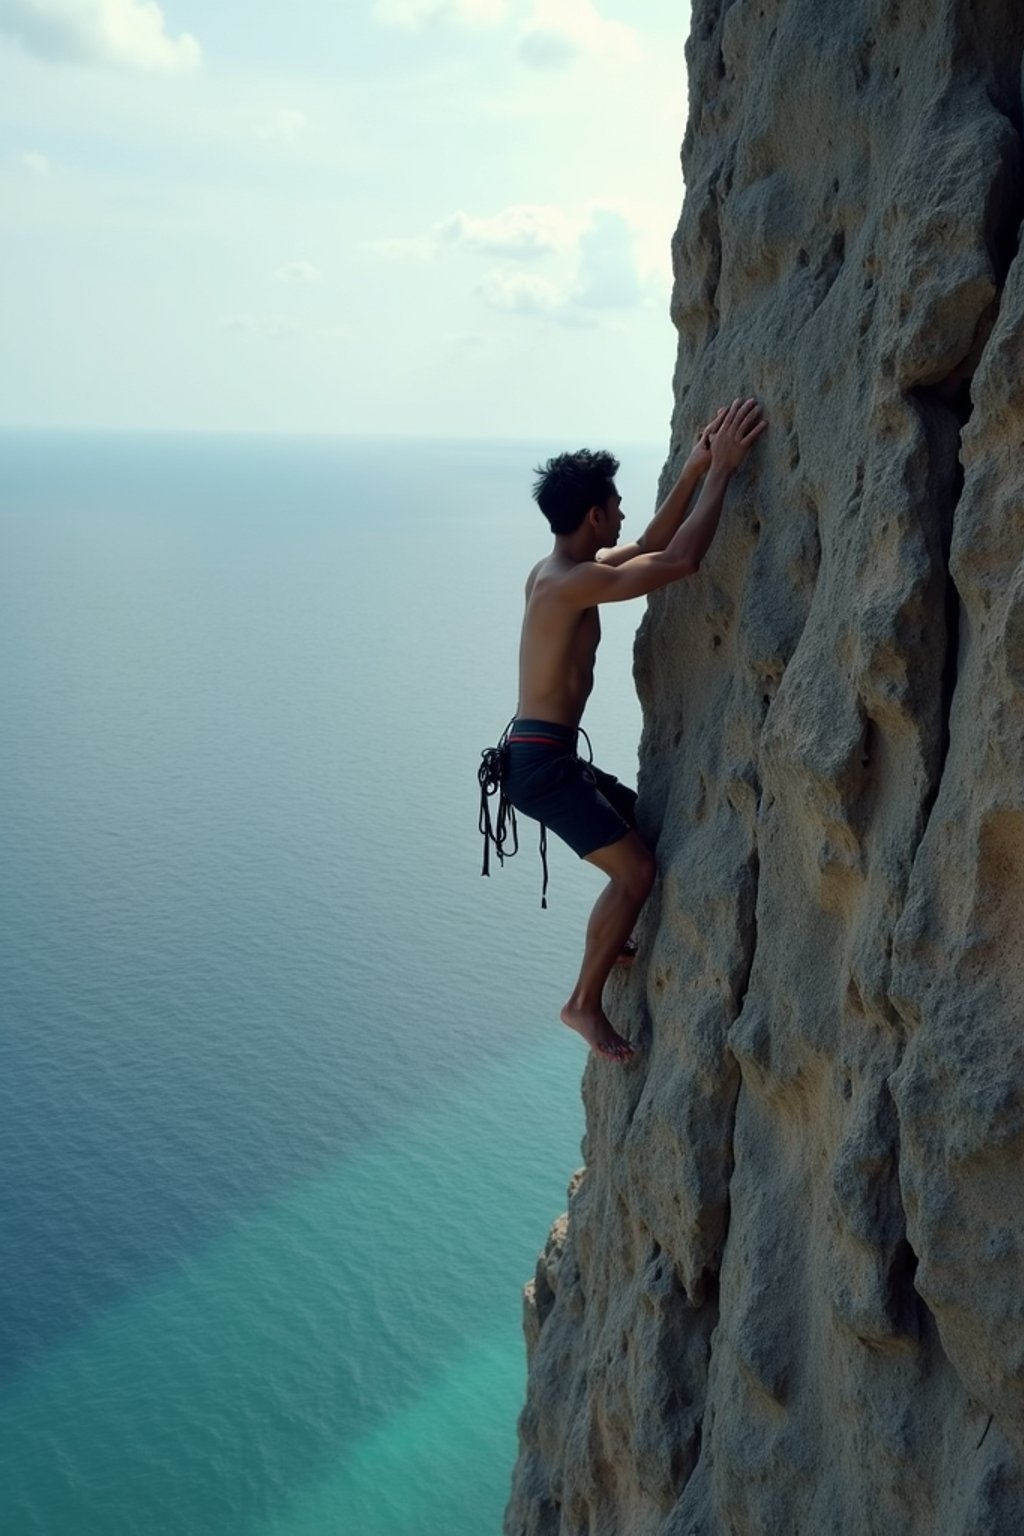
<point>789,1295</point>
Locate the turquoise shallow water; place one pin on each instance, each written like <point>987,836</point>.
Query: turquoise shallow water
<point>284,1115</point>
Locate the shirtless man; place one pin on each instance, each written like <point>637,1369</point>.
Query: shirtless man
<point>543,776</point>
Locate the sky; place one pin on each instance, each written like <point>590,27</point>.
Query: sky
<point>443,218</point>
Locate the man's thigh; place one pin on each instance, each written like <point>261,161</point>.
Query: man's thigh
<point>575,808</point>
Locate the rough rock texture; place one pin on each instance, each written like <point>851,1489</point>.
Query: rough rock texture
<point>789,1296</point>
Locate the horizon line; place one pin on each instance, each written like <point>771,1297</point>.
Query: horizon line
<point>319,434</point>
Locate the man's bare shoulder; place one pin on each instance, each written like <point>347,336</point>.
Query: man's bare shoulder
<point>552,575</point>
<point>531,580</point>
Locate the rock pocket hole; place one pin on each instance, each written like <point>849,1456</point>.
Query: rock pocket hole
<point>868,743</point>
<point>904,1302</point>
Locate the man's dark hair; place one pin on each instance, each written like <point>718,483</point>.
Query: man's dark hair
<point>569,485</point>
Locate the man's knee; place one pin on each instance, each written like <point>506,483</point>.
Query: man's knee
<point>630,864</point>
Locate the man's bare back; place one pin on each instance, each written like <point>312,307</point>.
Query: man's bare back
<point>558,647</point>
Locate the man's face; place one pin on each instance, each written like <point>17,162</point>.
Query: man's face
<point>611,520</point>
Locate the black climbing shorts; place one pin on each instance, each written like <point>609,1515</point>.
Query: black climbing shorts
<point>544,777</point>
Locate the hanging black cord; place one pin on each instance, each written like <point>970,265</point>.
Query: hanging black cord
<point>490,778</point>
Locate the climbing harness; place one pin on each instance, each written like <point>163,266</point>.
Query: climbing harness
<point>491,778</point>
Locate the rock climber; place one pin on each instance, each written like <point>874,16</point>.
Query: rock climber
<point>542,773</point>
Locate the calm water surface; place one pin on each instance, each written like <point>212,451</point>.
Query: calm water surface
<point>284,1112</point>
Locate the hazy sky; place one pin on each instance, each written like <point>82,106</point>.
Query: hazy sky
<point>447,217</point>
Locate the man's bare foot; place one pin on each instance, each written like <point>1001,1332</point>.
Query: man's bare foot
<point>596,1030</point>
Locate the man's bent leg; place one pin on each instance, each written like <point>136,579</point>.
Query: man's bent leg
<point>629,865</point>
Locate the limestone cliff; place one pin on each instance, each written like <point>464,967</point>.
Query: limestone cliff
<point>789,1296</point>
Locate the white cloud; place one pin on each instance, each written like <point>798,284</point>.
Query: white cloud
<point>35,163</point>
<point>129,34</point>
<point>553,34</point>
<point>522,231</point>
<point>606,277</point>
<point>558,31</point>
<point>521,293</point>
<point>602,258</point>
<point>412,14</point>
<point>285,125</point>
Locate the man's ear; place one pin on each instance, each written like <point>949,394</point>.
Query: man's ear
<point>594,515</point>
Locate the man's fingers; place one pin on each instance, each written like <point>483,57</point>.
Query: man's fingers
<point>749,414</point>
<point>743,421</point>
<point>712,426</point>
<point>739,411</point>
<point>750,434</point>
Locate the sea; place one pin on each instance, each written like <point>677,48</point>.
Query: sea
<point>285,1107</point>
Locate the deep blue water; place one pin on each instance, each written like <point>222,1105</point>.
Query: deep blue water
<point>285,1111</point>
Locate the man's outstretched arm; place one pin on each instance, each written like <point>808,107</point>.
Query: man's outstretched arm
<point>666,521</point>
<point>599,582</point>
